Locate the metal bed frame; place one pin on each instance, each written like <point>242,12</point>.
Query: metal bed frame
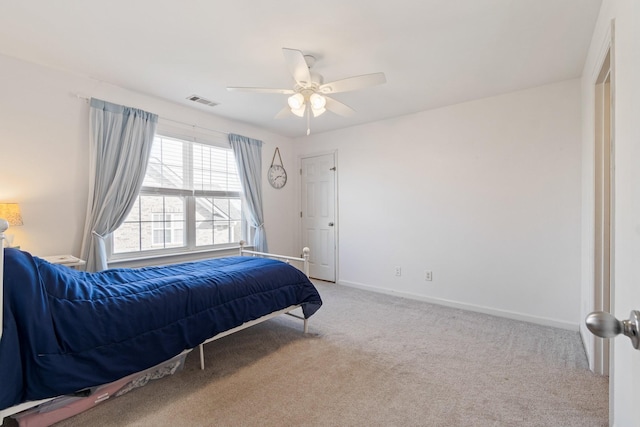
<point>243,252</point>
<point>4,225</point>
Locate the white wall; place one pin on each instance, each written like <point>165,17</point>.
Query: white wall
<point>44,150</point>
<point>625,374</point>
<point>486,194</point>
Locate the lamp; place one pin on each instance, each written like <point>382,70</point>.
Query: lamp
<point>11,212</point>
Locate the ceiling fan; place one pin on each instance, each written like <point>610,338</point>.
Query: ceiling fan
<point>309,94</point>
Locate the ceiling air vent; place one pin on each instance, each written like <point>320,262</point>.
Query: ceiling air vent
<point>201,100</point>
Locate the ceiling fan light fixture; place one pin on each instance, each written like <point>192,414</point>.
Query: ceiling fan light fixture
<point>317,101</point>
<point>307,96</point>
<point>299,111</point>
<point>296,101</point>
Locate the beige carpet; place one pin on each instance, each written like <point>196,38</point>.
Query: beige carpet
<point>374,360</point>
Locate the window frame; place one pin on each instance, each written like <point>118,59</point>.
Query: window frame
<point>188,135</point>
<point>167,229</point>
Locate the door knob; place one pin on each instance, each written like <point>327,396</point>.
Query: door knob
<point>605,325</point>
<point>331,224</point>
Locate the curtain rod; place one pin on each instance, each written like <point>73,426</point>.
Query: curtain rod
<point>87,99</point>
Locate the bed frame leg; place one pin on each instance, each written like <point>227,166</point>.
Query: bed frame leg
<point>201,357</point>
<point>306,326</point>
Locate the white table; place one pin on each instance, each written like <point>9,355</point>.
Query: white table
<point>66,260</point>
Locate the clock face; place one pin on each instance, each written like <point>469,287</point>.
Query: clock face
<point>277,176</point>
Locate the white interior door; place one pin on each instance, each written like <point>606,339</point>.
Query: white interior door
<point>318,206</point>
<point>624,392</point>
<point>625,369</point>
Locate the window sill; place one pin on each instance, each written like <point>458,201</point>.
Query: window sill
<point>174,258</point>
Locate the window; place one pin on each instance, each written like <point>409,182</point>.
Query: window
<point>168,230</point>
<point>190,199</point>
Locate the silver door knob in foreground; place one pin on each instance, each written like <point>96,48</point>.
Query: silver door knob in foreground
<point>605,325</point>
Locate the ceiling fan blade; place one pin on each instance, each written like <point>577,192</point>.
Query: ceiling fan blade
<point>285,112</point>
<point>261,90</point>
<point>297,66</point>
<point>353,83</point>
<point>338,107</point>
<point>318,111</point>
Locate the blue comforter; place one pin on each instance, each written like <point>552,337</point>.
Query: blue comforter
<point>65,330</point>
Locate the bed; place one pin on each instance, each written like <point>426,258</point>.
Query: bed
<point>65,331</point>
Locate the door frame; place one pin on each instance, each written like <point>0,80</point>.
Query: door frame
<point>590,79</point>
<point>336,209</point>
<point>603,198</point>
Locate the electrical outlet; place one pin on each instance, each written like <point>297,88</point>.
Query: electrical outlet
<point>398,271</point>
<point>428,275</point>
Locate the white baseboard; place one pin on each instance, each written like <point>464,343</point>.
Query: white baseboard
<point>544,321</point>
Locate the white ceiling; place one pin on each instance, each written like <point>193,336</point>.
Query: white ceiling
<point>433,52</point>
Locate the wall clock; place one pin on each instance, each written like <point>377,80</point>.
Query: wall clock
<point>277,175</point>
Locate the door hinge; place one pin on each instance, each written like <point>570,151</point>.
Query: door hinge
<point>300,214</point>
<point>300,171</point>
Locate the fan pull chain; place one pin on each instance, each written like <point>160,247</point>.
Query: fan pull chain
<point>308,122</point>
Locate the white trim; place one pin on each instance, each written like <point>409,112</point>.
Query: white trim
<point>173,258</point>
<point>606,45</point>
<point>543,321</point>
<point>595,350</point>
<point>185,132</point>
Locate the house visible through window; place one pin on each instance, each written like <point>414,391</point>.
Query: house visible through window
<point>168,230</point>
<point>190,199</point>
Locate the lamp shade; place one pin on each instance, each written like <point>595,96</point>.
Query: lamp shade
<point>296,101</point>
<point>299,111</point>
<point>318,101</point>
<point>11,212</point>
